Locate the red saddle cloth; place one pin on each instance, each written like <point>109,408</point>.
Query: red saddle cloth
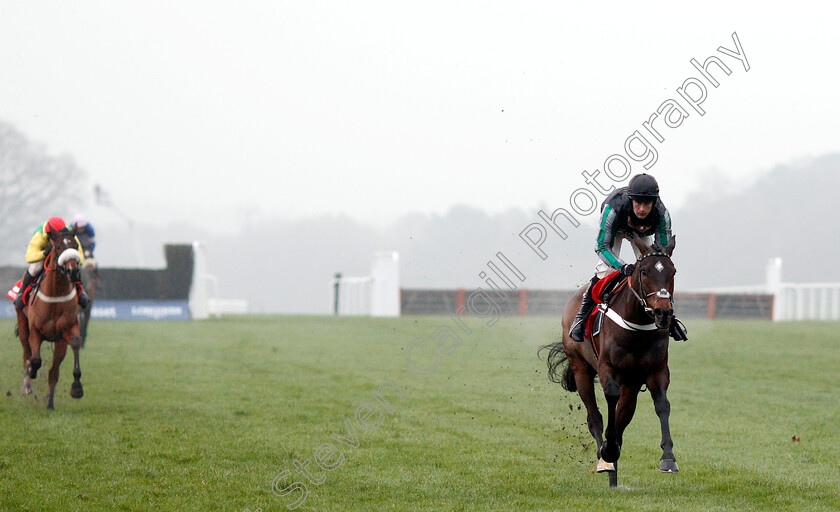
<point>13,293</point>
<point>597,291</point>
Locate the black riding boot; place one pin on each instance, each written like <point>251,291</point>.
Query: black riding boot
<point>579,325</point>
<point>678,330</point>
<point>84,301</point>
<point>27,280</point>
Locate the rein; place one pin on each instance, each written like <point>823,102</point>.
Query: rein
<point>56,264</point>
<point>641,295</point>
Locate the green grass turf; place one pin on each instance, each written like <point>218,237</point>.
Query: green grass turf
<point>204,415</point>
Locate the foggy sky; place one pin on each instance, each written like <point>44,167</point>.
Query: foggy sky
<point>225,113</point>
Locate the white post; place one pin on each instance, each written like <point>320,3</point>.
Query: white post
<point>198,288</point>
<point>824,303</point>
<point>835,306</point>
<point>774,286</point>
<point>799,293</point>
<point>385,289</point>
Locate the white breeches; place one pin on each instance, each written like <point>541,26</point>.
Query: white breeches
<point>36,268</point>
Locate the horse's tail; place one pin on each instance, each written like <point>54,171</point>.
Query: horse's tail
<point>557,359</point>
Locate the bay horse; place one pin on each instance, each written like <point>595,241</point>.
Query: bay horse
<point>90,281</point>
<point>52,315</point>
<point>632,351</point>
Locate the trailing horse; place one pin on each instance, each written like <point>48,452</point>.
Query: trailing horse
<point>632,351</point>
<point>90,281</point>
<point>52,314</point>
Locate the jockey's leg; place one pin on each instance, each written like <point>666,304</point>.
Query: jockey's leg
<point>29,276</point>
<point>678,330</point>
<point>84,301</point>
<point>27,279</point>
<point>578,328</point>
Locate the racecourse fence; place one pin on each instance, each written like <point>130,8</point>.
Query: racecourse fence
<point>551,302</point>
<point>134,293</point>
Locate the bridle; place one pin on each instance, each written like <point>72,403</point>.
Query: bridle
<point>60,262</point>
<point>641,295</point>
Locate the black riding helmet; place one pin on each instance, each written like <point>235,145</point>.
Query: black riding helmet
<point>643,188</point>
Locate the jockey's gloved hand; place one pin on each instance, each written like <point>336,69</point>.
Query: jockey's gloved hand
<point>628,269</point>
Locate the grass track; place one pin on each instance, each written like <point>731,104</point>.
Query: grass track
<point>204,415</point>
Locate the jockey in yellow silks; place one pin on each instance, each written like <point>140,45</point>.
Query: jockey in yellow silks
<point>35,257</point>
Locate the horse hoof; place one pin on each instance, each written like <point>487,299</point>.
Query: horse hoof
<point>34,365</point>
<point>604,466</point>
<point>668,466</point>
<point>26,390</point>
<point>76,391</point>
<point>50,407</point>
<point>610,455</point>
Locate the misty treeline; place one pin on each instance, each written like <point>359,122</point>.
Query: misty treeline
<point>725,237</point>
<point>34,185</point>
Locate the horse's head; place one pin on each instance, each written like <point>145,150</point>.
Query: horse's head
<point>65,253</point>
<point>653,280</point>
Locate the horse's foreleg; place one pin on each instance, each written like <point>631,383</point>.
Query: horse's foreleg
<point>35,354</point>
<point>621,401</point>
<point>658,387</point>
<point>624,410</point>
<point>612,391</point>
<point>58,357</point>
<point>76,390</point>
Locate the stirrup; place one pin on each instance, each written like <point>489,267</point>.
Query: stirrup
<point>578,325</point>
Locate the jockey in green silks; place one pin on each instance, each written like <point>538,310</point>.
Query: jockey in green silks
<point>637,209</point>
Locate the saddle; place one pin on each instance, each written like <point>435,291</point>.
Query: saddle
<point>27,293</point>
<point>602,291</point>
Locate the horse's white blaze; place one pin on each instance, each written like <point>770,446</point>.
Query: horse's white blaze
<point>659,266</point>
<point>604,466</point>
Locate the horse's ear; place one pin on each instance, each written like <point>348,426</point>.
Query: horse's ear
<point>672,242</point>
<point>643,248</point>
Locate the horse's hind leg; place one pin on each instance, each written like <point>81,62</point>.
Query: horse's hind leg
<point>58,357</point>
<point>76,390</point>
<point>658,387</point>
<point>26,389</point>
<point>22,333</point>
<point>84,319</point>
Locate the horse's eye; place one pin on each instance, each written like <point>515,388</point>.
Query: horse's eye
<point>643,272</point>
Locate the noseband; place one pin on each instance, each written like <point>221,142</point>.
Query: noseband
<point>641,295</point>
<point>66,255</point>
